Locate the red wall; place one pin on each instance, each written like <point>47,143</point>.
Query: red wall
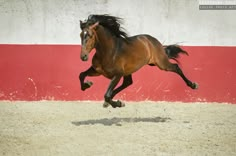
<point>50,72</point>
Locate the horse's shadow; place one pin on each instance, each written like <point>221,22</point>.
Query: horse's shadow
<point>118,121</point>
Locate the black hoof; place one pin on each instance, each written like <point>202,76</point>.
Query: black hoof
<point>194,86</point>
<point>120,104</point>
<point>86,85</point>
<point>114,104</point>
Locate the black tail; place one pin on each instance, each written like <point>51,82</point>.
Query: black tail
<point>173,51</point>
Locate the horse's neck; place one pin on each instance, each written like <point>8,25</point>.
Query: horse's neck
<point>105,42</point>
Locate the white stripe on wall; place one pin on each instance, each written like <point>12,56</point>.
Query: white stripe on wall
<point>171,21</point>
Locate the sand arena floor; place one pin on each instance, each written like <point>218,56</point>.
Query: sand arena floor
<point>49,128</point>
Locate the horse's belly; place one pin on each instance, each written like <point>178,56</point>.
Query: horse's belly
<point>128,71</point>
<point>105,73</point>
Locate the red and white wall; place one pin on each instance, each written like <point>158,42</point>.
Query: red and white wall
<point>40,48</point>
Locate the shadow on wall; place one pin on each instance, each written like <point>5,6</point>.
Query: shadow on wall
<point>118,121</point>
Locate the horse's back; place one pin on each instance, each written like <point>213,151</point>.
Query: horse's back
<point>148,46</point>
<point>138,51</point>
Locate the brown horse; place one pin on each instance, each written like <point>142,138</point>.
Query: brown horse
<point>118,55</point>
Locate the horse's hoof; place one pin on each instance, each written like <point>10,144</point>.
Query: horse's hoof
<point>89,83</point>
<point>120,104</point>
<point>195,86</point>
<point>86,85</point>
<point>106,104</point>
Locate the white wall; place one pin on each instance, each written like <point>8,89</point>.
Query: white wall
<point>171,21</point>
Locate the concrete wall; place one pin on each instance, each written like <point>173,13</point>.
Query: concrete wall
<point>46,64</point>
<point>171,21</point>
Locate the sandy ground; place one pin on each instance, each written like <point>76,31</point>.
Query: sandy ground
<point>143,128</point>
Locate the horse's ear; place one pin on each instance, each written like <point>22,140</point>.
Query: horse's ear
<point>82,25</point>
<point>94,26</point>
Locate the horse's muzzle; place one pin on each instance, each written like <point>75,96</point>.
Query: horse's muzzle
<point>84,57</point>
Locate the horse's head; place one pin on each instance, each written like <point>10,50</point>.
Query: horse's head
<point>88,39</point>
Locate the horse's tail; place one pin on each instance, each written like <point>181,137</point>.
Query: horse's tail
<point>173,51</point>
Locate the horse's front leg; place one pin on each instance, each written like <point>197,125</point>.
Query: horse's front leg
<point>90,72</point>
<point>109,93</point>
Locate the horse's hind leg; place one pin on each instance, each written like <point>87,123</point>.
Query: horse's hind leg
<point>108,95</point>
<point>127,81</point>
<point>168,66</point>
<point>90,72</point>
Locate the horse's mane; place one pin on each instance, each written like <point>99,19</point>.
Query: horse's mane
<point>112,23</point>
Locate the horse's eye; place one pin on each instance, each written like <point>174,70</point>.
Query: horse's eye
<point>86,34</point>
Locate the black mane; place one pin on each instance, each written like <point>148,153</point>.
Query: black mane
<point>112,23</point>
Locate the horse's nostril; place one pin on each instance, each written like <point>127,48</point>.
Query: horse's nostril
<point>84,57</point>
